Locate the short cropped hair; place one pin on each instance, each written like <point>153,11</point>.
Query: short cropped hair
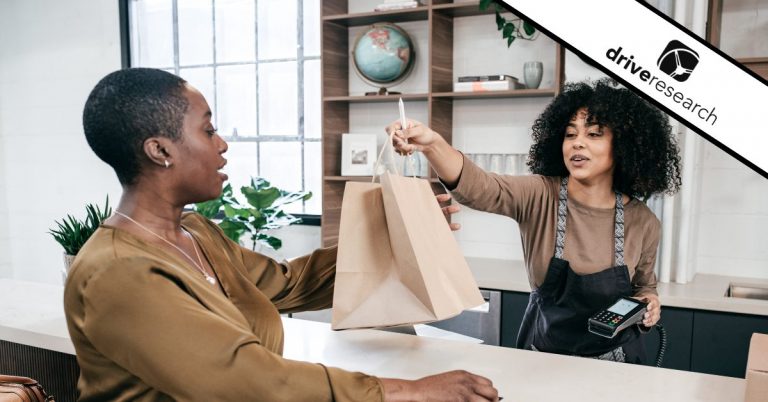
<point>128,106</point>
<point>645,153</point>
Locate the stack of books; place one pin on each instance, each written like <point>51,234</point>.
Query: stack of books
<point>481,83</point>
<point>389,5</point>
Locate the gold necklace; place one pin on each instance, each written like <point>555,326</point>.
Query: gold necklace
<point>208,277</point>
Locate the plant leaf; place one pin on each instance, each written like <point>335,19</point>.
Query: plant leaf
<point>260,198</point>
<point>510,40</point>
<point>508,30</point>
<point>528,28</point>
<point>500,21</point>
<point>209,209</point>
<point>233,229</point>
<point>271,241</point>
<point>484,4</point>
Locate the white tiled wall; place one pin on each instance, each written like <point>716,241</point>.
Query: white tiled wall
<point>58,51</point>
<point>733,217</point>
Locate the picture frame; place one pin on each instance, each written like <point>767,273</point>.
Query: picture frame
<point>358,154</point>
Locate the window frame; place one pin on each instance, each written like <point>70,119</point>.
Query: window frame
<point>125,53</point>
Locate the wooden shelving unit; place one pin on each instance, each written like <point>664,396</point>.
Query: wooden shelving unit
<point>439,16</point>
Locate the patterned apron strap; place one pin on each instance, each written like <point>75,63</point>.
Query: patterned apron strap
<point>562,210</point>
<point>618,231</point>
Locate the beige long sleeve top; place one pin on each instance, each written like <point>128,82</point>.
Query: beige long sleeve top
<point>589,245</point>
<point>146,326</point>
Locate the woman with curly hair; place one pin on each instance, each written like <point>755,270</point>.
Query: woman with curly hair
<point>587,238</point>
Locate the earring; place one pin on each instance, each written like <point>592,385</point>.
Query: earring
<point>167,165</point>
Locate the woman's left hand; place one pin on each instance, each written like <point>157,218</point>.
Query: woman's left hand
<point>449,210</point>
<point>653,313</point>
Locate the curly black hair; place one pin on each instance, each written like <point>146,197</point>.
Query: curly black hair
<point>645,152</point>
<point>128,106</point>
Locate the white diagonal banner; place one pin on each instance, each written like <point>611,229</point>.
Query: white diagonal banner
<point>670,65</point>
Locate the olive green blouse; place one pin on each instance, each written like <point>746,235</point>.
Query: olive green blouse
<point>146,325</point>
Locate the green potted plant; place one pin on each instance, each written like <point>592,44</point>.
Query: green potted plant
<point>510,29</point>
<point>262,211</point>
<point>72,233</point>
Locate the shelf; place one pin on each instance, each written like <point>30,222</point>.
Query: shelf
<point>366,178</point>
<point>358,19</point>
<point>515,93</point>
<point>437,18</point>
<point>375,98</point>
<point>462,9</point>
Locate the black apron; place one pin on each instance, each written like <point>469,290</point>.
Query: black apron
<point>555,320</point>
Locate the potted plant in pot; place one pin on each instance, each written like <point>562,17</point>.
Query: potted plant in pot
<point>72,233</point>
<point>261,212</point>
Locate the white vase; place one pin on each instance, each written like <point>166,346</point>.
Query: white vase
<point>532,72</point>
<point>68,260</point>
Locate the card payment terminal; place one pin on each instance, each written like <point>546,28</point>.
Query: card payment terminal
<point>622,314</point>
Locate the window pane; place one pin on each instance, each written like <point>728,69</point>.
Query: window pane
<point>195,32</point>
<point>313,177</point>
<point>277,29</point>
<point>311,27</point>
<point>235,31</point>
<point>242,163</point>
<point>312,99</point>
<point>202,79</point>
<point>236,100</point>
<point>152,33</point>
<point>278,111</point>
<point>281,166</point>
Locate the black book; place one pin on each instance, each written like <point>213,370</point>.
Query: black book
<point>475,78</point>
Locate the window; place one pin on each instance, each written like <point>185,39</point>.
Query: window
<point>257,62</point>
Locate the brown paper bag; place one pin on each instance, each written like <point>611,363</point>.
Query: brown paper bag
<point>398,262</point>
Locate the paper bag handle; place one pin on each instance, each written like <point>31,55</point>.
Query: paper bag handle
<point>387,145</point>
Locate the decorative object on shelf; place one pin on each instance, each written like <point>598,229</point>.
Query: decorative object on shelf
<point>390,5</point>
<point>383,54</point>
<point>419,167</point>
<point>512,29</point>
<point>498,77</point>
<point>508,164</point>
<point>485,86</point>
<point>262,212</point>
<point>72,233</point>
<point>358,154</point>
<point>532,71</point>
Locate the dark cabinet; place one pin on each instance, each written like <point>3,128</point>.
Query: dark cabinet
<point>721,341</point>
<point>678,324</point>
<point>513,306</point>
<point>697,340</point>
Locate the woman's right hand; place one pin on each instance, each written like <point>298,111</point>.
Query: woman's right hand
<point>452,386</point>
<point>444,159</point>
<point>415,137</point>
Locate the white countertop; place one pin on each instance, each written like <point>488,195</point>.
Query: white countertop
<point>519,375</point>
<point>705,292</point>
<point>32,314</point>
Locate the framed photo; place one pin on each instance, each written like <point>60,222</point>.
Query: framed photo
<point>358,154</point>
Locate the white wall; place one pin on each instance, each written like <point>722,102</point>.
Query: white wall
<point>733,199</point>
<point>51,54</point>
<point>744,28</point>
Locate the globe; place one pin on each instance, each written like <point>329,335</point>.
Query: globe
<point>383,54</point>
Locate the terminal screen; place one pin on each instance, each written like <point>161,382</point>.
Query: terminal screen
<point>622,307</point>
